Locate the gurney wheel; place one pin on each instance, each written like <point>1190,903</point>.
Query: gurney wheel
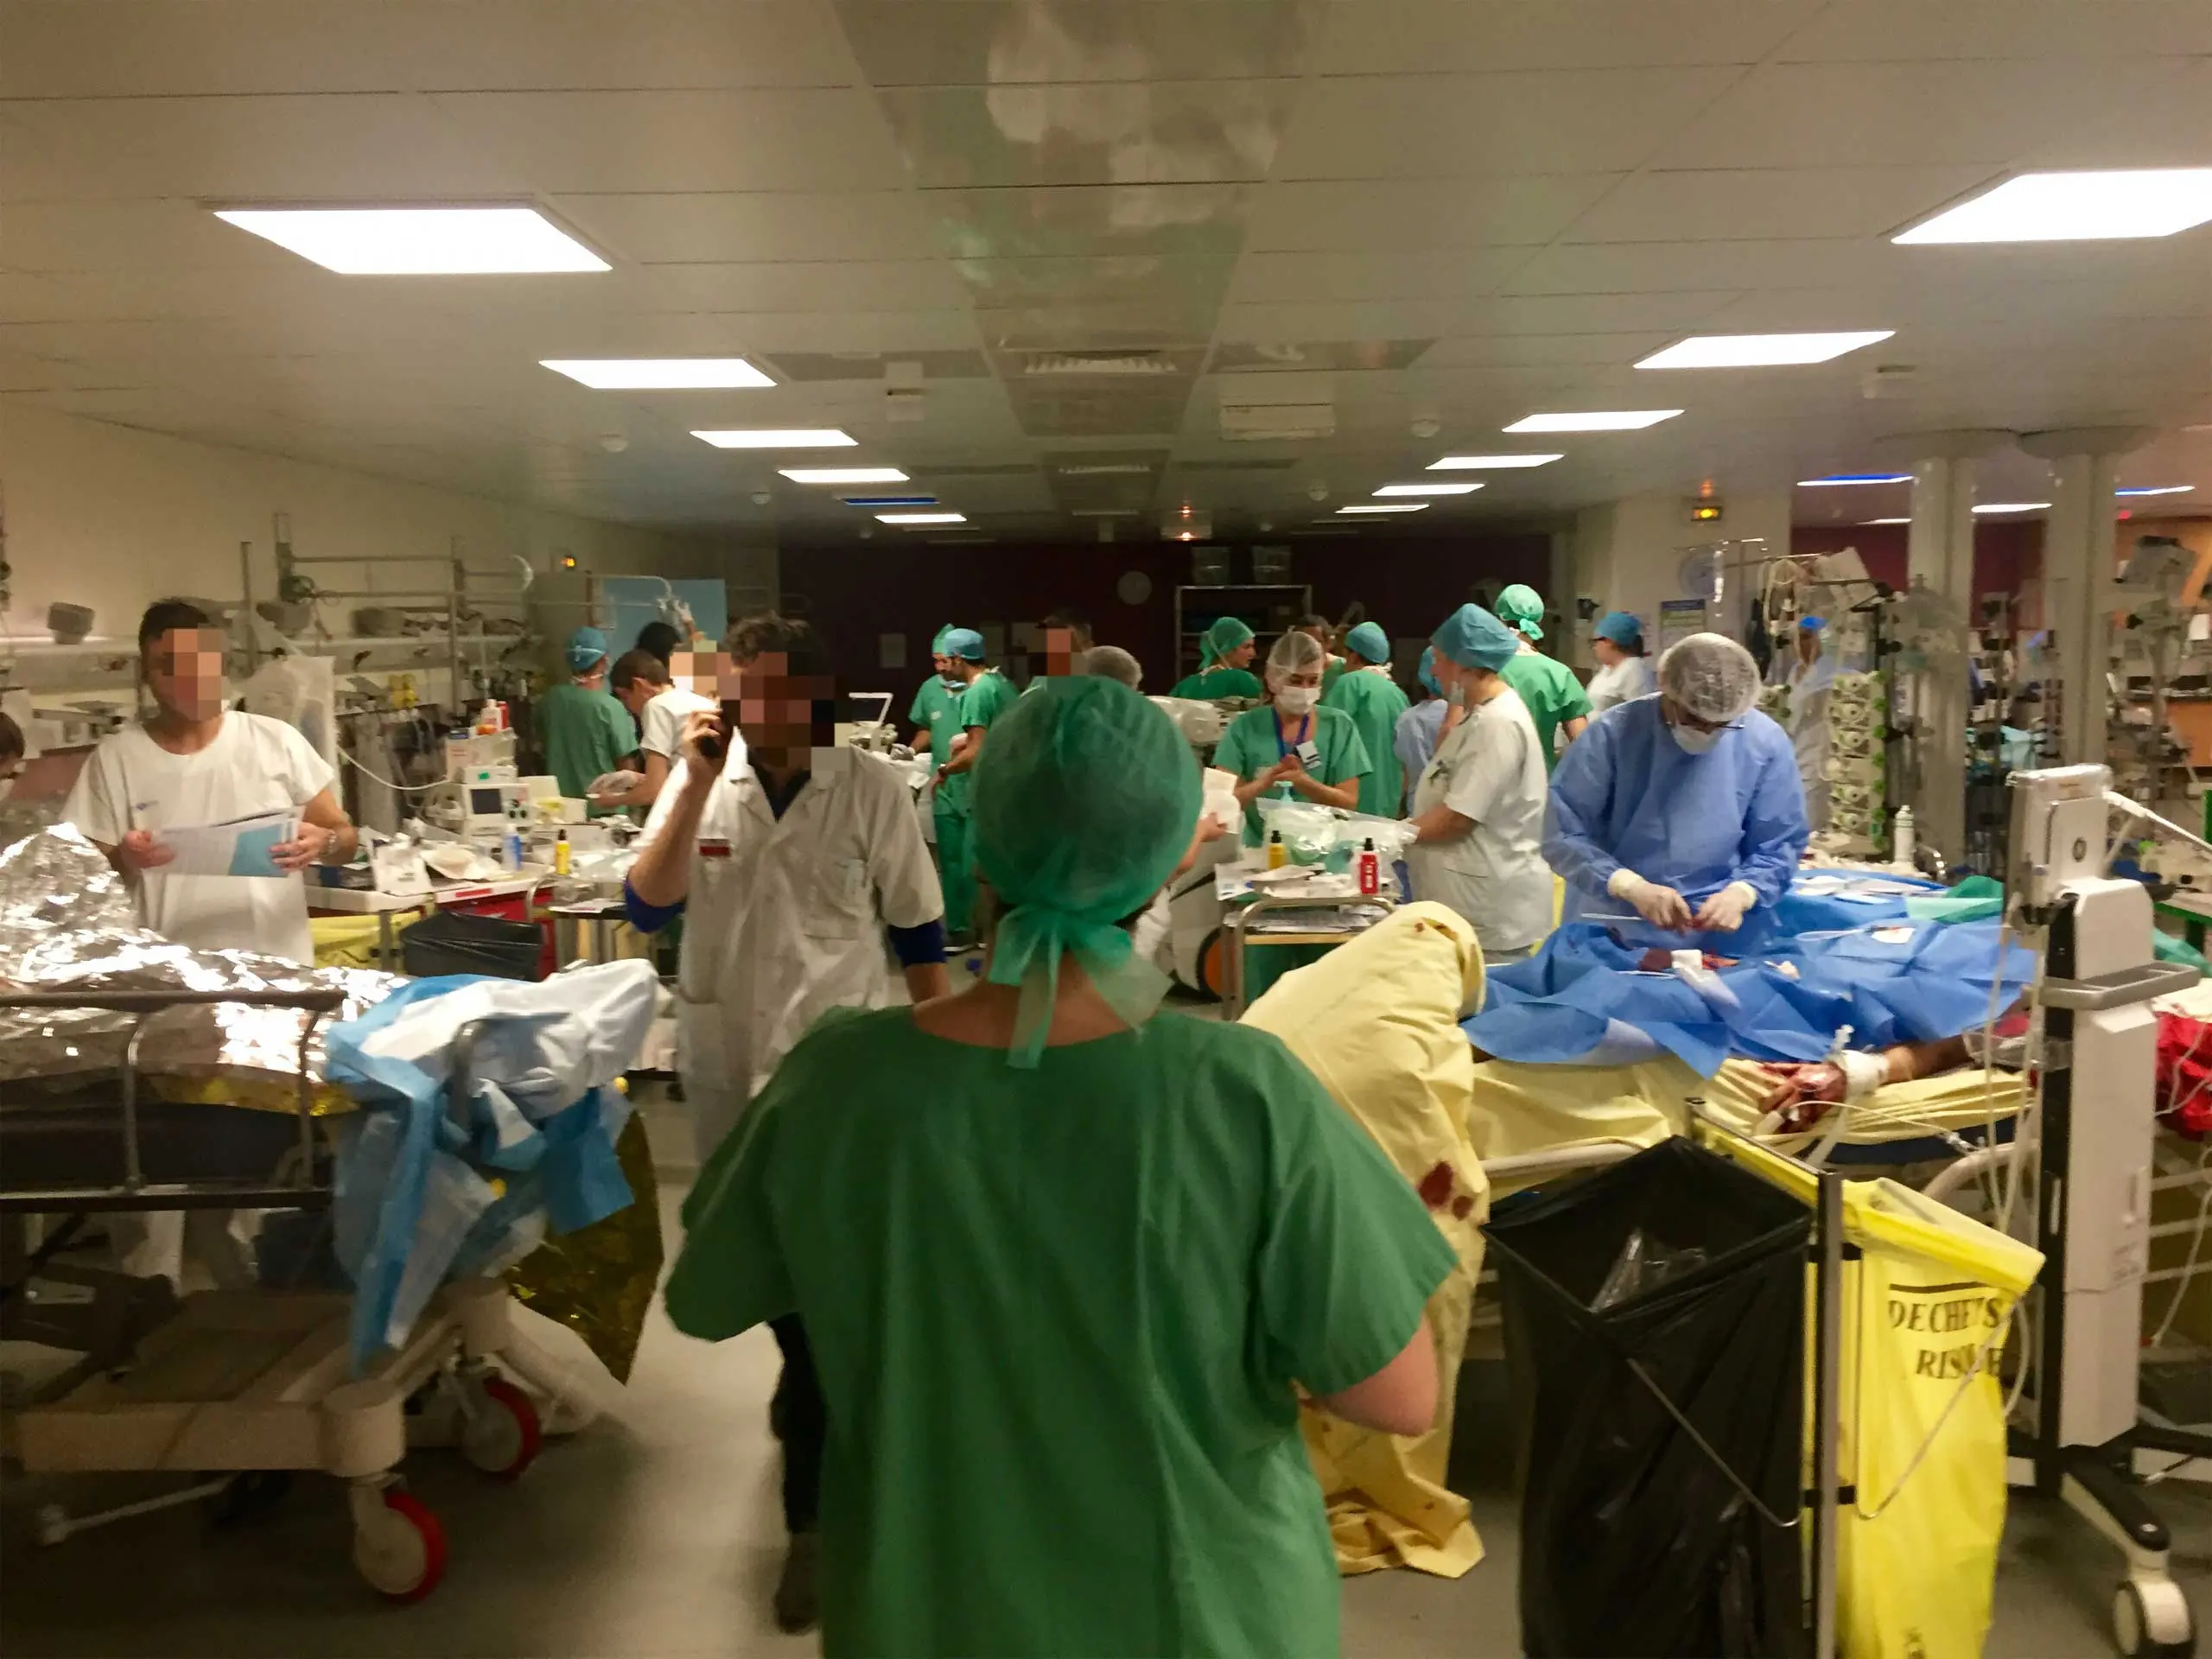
<point>1212,976</point>
<point>503,1434</point>
<point>2152,1618</point>
<point>401,1551</point>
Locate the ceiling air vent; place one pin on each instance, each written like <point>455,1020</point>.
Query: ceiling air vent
<point>1060,363</point>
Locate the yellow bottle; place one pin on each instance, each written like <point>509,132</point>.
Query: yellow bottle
<point>1278,854</point>
<point>561,853</point>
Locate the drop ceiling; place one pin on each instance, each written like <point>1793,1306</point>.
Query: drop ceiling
<point>1445,211</point>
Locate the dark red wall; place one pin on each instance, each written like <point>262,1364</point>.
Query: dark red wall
<point>853,596</point>
<point>2004,554</point>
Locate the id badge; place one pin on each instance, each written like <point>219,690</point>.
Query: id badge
<point>1309,755</point>
<point>713,847</point>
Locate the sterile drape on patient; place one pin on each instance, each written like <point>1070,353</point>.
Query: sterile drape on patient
<point>1377,1022</point>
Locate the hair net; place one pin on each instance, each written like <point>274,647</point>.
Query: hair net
<point>1475,638</point>
<point>1522,606</point>
<point>1112,663</point>
<point>1428,670</point>
<point>965,644</point>
<point>1295,653</point>
<point>1711,675</point>
<point>1084,799</point>
<point>1621,627</point>
<point>1812,624</point>
<point>586,646</point>
<point>937,645</point>
<point>1371,642</point>
<point>1225,636</point>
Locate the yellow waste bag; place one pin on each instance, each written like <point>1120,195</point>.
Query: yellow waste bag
<point>1376,1020</point>
<point>1925,1311</point>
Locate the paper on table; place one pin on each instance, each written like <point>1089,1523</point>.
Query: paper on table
<point>240,848</point>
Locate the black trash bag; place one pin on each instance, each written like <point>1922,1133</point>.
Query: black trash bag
<point>1634,1540</point>
<point>449,943</point>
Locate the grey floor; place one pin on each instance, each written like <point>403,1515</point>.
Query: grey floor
<point>658,1534</point>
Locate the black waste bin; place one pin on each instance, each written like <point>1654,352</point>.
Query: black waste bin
<point>1635,1539</point>
<point>452,943</point>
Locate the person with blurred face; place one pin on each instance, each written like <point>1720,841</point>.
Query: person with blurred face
<point>794,867</point>
<point>660,697</point>
<point>193,763</point>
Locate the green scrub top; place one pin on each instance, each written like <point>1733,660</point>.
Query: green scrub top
<point>585,734</point>
<point>1552,693</point>
<point>988,697</point>
<point>1219,682</point>
<point>1374,702</point>
<point>932,712</point>
<point>1332,670</point>
<point>1057,1315</point>
<point>1250,747</point>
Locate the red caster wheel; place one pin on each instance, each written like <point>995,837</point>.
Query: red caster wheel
<point>399,1547</point>
<point>503,1434</point>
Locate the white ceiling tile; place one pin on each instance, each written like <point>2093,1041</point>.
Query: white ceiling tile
<point>1765,204</point>
<point>1543,350</point>
<point>151,237</point>
<point>1963,113</point>
<point>1529,210</point>
<point>372,147</point>
<point>1590,314</point>
<point>1373,274</point>
<point>1903,31</point>
<point>656,228</point>
<point>1342,320</point>
<point>1663,267</point>
<point>1411,37</point>
<point>1444,126</point>
<point>611,142</point>
<point>863,331</point>
<point>901,285</point>
<point>1013,42</point>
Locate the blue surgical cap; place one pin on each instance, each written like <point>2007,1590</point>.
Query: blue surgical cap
<point>1621,627</point>
<point>965,644</point>
<point>586,646</point>
<point>1475,638</point>
<point>1371,642</point>
<point>1428,670</point>
<point>1812,624</point>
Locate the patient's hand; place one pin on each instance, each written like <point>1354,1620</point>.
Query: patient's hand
<point>1801,1093</point>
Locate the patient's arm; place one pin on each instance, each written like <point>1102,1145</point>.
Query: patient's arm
<point>1804,1092</point>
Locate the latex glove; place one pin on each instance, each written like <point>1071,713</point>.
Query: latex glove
<point>1724,913</point>
<point>1661,907</point>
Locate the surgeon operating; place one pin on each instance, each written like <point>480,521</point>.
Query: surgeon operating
<point>1068,1263</point>
<point>1685,806</point>
<point>802,873</point>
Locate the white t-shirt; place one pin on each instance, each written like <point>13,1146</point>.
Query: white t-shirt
<point>255,765</point>
<point>663,721</point>
<point>1624,681</point>
<point>1491,768</point>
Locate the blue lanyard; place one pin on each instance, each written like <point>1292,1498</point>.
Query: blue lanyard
<point>1283,746</point>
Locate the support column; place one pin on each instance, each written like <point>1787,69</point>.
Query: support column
<point>2079,565</point>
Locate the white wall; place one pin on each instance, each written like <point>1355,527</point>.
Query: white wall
<point>113,517</point>
<point>1626,553</point>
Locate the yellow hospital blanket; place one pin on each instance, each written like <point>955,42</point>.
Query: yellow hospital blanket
<point>1517,1110</point>
<point>1376,1020</point>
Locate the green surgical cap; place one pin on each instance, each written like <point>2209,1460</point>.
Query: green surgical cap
<point>965,644</point>
<point>1371,642</point>
<point>1221,639</point>
<point>1085,801</point>
<point>1522,606</point>
<point>1475,638</point>
<point>937,645</point>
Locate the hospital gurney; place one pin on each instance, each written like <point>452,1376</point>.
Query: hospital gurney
<point>235,1383</point>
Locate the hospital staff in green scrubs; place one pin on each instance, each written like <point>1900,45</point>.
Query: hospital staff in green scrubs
<point>1269,746</point>
<point>1224,667</point>
<point>583,731</point>
<point>1062,1297</point>
<point>1371,698</point>
<point>1545,686</point>
<point>985,694</point>
<point>933,701</point>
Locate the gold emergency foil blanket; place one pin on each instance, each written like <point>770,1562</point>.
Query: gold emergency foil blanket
<point>599,1280</point>
<point>67,924</point>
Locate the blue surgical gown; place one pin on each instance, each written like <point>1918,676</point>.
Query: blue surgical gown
<point>1415,740</point>
<point>1627,795</point>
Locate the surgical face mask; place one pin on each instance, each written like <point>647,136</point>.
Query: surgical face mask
<point>1692,741</point>
<point>1298,699</point>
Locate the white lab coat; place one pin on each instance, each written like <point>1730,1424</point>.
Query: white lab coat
<point>1490,768</point>
<point>784,919</point>
<point>1624,681</point>
<point>1809,685</point>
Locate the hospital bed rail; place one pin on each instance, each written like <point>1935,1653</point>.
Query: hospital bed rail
<point>1237,931</point>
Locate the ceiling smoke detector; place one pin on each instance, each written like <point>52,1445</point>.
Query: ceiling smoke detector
<point>762,497</point>
<point>1317,491</point>
<point>1427,427</point>
<point>614,443</point>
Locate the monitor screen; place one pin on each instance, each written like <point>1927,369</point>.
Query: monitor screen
<point>486,804</point>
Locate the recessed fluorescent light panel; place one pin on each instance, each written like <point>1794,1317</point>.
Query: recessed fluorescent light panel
<point>1489,463</point>
<point>419,241</point>
<point>805,437</point>
<point>658,373</point>
<point>921,517</point>
<point>1759,351</point>
<point>2158,489</point>
<point>1838,480</point>
<point>1400,506</point>
<point>1428,489</point>
<point>1595,420</point>
<point>2011,507</point>
<point>844,474</point>
<point>2077,207</point>
<point>888,500</point>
